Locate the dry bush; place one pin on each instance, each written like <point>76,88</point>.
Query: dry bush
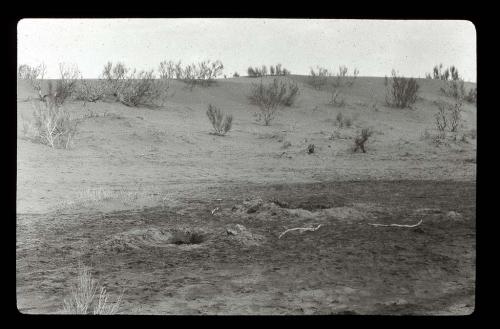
<point>272,97</point>
<point>402,92</point>
<point>90,91</point>
<point>83,297</point>
<point>318,80</point>
<point>448,116</point>
<point>141,88</point>
<point>471,97</point>
<point>114,77</point>
<point>220,122</point>
<point>361,139</point>
<point>52,125</point>
<point>67,83</point>
<point>202,74</point>
<point>34,75</point>
<point>343,78</point>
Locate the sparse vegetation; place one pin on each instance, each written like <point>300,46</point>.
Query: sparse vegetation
<point>402,92</point>
<point>201,74</point>
<point>272,97</point>
<point>220,122</point>
<point>343,78</point>
<point>67,82</point>
<point>361,139</point>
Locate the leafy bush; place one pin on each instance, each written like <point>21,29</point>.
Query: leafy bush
<point>361,139</point>
<point>52,125</point>
<point>272,97</point>
<point>401,92</point>
<point>220,122</point>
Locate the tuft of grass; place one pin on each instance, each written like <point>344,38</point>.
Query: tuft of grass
<point>83,297</point>
<point>220,122</point>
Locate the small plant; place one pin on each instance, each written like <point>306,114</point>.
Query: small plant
<point>236,75</point>
<point>402,92</point>
<point>220,122</point>
<point>114,76</point>
<point>361,139</point>
<point>83,297</point>
<point>341,120</point>
<point>310,149</point>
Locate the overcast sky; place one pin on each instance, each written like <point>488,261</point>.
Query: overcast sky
<point>375,47</point>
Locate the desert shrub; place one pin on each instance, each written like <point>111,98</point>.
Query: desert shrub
<point>67,83</point>
<point>90,90</point>
<point>448,116</point>
<point>52,125</point>
<point>310,148</point>
<point>167,70</point>
<point>361,139</point>
<point>342,77</point>
<point>401,92</point>
<point>114,76</point>
<point>201,74</point>
<point>236,75</point>
<point>34,75</point>
<point>318,79</point>
<point>272,97</point>
<point>83,297</point>
<point>220,122</point>
<point>141,88</point>
<point>439,74</point>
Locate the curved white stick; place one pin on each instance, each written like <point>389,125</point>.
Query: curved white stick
<point>397,225</point>
<point>301,229</point>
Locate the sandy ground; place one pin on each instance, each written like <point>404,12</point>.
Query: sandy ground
<point>136,177</point>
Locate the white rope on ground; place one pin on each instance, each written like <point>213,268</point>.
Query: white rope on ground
<point>301,229</point>
<point>397,225</point>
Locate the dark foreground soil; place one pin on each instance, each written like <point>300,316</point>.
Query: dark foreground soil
<point>195,259</point>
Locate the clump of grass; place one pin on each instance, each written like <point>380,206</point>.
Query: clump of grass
<point>220,122</point>
<point>83,297</point>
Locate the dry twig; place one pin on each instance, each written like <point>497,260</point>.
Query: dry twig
<point>301,229</point>
<point>397,225</point>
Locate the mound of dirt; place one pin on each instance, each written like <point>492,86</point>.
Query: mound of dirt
<point>139,238</point>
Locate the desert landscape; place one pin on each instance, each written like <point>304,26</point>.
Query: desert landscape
<point>343,203</point>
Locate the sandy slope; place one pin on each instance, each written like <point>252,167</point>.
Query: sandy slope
<point>153,155</point>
